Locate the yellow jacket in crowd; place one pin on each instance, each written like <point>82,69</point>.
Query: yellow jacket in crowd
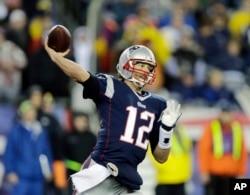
<point>178,168</point>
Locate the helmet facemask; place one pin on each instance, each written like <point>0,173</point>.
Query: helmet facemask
<point>142,77</point>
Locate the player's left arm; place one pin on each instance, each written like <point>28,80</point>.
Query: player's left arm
<point>168,121</point>
<point>161,155</point>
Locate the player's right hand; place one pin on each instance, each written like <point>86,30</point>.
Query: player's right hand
<point>52,53</point>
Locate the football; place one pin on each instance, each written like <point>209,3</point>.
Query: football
<point>59,38</point>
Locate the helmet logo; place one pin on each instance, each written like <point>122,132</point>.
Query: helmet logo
<point>133,48</point>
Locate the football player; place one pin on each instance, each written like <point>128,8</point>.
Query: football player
<point>130,119</point>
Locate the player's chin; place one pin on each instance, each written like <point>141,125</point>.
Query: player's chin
<point>139,85</point>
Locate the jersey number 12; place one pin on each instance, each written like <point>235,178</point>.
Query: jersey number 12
<point>130,127</point>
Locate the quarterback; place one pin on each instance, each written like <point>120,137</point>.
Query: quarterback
<point>130,119</point>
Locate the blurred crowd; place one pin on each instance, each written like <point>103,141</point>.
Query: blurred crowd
<point>202,49</point>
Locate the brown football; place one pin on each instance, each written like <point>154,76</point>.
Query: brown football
<point>59,38</point>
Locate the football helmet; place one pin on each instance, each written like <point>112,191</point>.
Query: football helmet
<point>131,56</point>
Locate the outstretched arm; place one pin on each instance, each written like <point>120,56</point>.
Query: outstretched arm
<point>69,67</point>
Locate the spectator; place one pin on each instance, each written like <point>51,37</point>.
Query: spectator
<point>105,40</point>
<point>221,31</point>
<point>239,19</point>
<point>214,89</point>
<point>54,130</point>
<point>231,60</point>
<point>183,9</point>
<point>17,29</point>
<point>159,8</point>
<point>12,61</point>
<point>173,32</point>
<point>221,152</point>
<point>186,61</point>
<point>121,9</point>
<point>39,24</point>
<point>77,144</point>
<point>73,12</point>
<point>28,158</point>
<point>185,89</point>
<point>48,104</point>
<point>209,40</point>
<point>173,176</point>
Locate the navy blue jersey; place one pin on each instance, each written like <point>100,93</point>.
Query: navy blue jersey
<point>129,121</point>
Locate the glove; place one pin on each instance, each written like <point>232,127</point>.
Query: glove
<point>171,114</point>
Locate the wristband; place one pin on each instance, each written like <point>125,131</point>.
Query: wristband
<point>165,140</point>
<point>167,128</point>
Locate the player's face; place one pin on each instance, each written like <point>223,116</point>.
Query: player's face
<point>142,70</point>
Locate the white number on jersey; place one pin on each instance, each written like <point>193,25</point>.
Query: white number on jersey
<point>130,127</point>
